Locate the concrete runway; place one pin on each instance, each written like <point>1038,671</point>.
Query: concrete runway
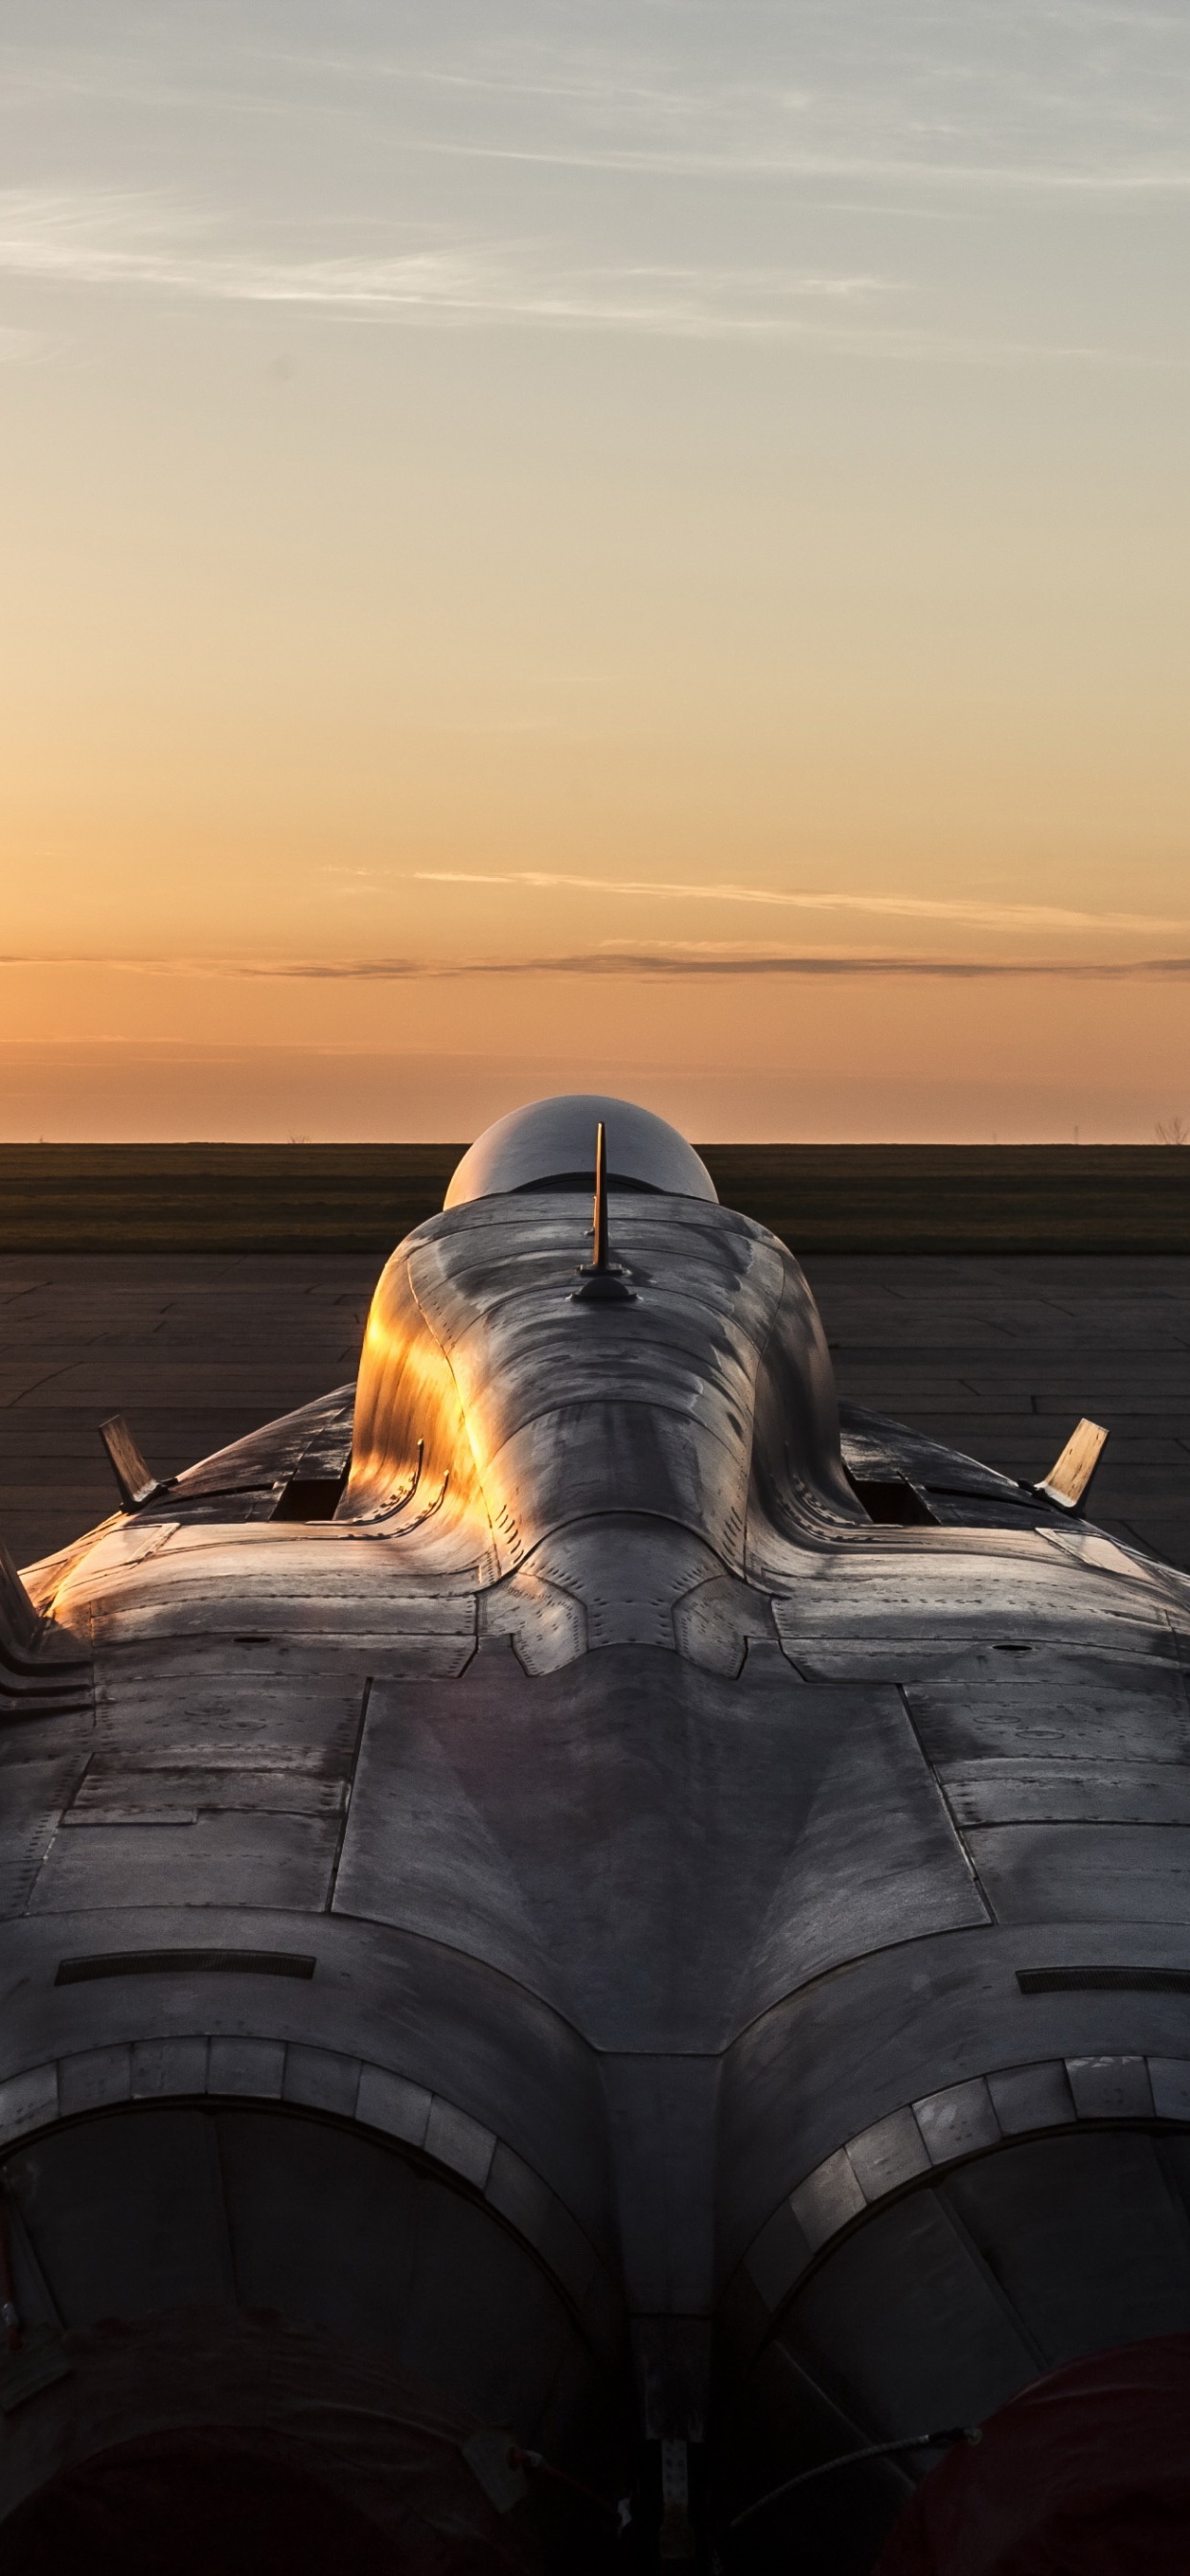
<point>998,1356</point>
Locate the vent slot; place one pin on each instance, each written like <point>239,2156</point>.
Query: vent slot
<point>1104,1981</point>
<point>312,1497</point>
<point>182,1963</point>
<point>893,1499</point>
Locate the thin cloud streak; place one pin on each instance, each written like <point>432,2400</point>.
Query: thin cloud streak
<point>985,916</point>
<point>113,242</point>
<point>1010,178</point>
<point>733,131</point>
<point>669,964</point>
<point>645,964</point>
<point>126,242</point>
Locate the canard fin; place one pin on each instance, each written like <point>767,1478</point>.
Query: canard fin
<point>1069,1480</point>
<point>135,1480</point>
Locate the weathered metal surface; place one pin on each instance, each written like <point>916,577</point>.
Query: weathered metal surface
<point>672,1843</point>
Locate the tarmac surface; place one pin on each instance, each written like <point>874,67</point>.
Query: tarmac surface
<point>998,1355</point>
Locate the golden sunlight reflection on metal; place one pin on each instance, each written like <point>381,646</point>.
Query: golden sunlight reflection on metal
<point>411,1438</point>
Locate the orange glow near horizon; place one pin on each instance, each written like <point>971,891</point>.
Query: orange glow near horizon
<point>901,1059</point>
<point>505,526</point>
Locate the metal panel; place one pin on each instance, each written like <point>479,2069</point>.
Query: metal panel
<point>34,1792</point>
<point>231,1703</point>
<point>131,1543</point>
<point>547,1626</point>
<point>891,2152</point>
<point>391,2103</point>
<point>924,1593</point>
<point>270,1456</point>
<point>94,2078</point>
<point>114,1795</point>
<point>958,2122</point>
<point>321,2080</point>
<point>742,1845</point>
<point>827,2199</point>
<point>1110,2088</point>
<point>165,2066</point>
<point>223,1859</point>
<point>1032,2097</point>
<point>720,1621</point>
<point>28,2100</point>
<point>252,2066</point>
<point>453,2138</point>
<point>1170,2080</point>
<point>995,1792</point>
<point>1096,1706</point>
<point>629,1574</point>
<point>1084,1873</point>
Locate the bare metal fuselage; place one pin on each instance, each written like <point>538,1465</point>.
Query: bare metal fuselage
<point>601,1903</point>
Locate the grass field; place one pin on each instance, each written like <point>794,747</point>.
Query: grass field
<point>819,1198</point>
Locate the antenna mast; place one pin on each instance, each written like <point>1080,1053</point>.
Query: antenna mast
<point>603,1282</point>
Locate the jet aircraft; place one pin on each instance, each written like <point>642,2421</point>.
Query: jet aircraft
<point>586,1933</point>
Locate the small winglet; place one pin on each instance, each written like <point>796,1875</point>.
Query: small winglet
<point>134,1477</point>
<point>1069,1480</point>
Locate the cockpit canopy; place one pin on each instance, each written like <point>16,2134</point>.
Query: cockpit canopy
<point>550,1145</point>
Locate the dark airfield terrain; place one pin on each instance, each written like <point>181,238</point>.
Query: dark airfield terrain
<point>987,1295</point>
<point>818,1198</point>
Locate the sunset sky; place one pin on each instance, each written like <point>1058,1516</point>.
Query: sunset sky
<point>637,545</point>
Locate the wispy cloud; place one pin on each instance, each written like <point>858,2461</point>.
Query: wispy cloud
<point>1033,917</point>
<point>671,963</point>
<point>980,178</point>
<point>1004,99</point>
<point>138,242</point>
<point>146,244</point>
<point>665,962</point>
<point>1088,102</point>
